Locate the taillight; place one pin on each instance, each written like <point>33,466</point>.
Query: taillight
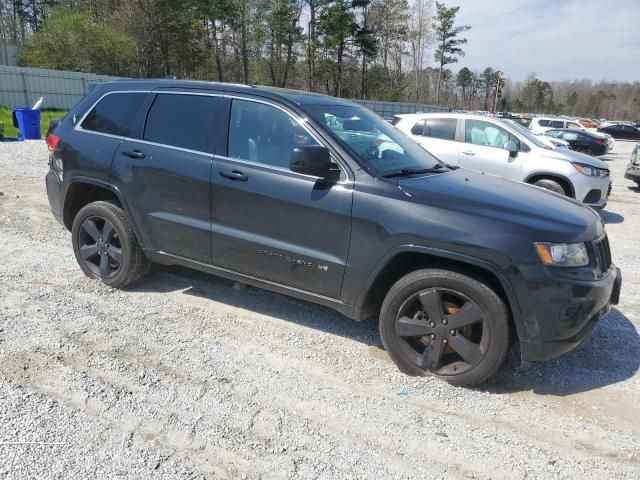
<point>600,142</point>
<point>52,141</point>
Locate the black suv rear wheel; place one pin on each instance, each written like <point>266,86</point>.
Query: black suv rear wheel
<point>106,247</point>
<point>445,324</point>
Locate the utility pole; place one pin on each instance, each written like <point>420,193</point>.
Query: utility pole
<point>495,100</point>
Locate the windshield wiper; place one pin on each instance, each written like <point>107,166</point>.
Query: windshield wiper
<point>404,172</point>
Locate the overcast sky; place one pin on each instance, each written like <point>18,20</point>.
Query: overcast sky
<point>556,39</point>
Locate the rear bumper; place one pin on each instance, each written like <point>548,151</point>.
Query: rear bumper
<point>633,173</point>
<point>53,182</point>
<point>560,313</point>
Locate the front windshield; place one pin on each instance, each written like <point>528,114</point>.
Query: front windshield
<point>527,134</point>
<point>375,142</point>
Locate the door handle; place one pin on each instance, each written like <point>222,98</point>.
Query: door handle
<point>234,175</point>
<point>133,153</point>
<point>469,152</point>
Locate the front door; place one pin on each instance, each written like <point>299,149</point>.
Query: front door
<point>166,174</point>
<point>272,223</point>
<point>483,150</point>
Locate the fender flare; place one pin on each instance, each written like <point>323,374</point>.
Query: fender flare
<point>80,179</point>
<point>552,174</point>
<point>496,270</point>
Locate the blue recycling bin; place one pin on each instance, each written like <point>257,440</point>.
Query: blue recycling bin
<point>27,121</point>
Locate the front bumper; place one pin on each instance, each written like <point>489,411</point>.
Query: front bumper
<point>560,312</point>
<point>592,191</point>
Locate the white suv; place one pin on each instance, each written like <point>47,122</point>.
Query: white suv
<point>507,149</point>
<point>541,125</point>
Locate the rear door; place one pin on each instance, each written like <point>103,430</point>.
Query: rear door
<point>270,222</point>
<point>165,173</point>
<point>483,150</point>
<point>438,137</point>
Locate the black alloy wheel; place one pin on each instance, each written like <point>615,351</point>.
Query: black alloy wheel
<point>100,247</point>
<point>443,331</point>
<point>445,324</point>
<point>106,246</point>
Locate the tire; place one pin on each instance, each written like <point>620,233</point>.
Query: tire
<point>460,299</point>
<point>106,247</point>
<point>551,185</point>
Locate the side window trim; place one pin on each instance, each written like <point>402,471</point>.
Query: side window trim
<point>223,140</point>
<point>79,122</point>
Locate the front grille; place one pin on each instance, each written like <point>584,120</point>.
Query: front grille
<point>603,254</point>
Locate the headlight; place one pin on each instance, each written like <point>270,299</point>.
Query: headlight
<point>589,171</point>
<point>563,254</point>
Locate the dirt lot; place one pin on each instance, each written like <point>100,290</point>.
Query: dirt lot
<point>184,376</point>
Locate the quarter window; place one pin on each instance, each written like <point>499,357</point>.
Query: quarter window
<point>115,114</point>
<point>264,134</point>
<point>180,120</point>
<point>543,123</point>
<point>557,124</point>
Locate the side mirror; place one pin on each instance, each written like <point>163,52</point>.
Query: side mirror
<point>313,160</point>
<point>512,147</point>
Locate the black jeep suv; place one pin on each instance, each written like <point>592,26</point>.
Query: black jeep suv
<point>319,198</point>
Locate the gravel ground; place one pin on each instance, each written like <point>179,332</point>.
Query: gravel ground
<point>184,376</point>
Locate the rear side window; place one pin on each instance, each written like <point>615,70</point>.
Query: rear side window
<point>444,128</point>
<point>557,124</point>
<point>543,123</point>
<point>418,128</point>
<point>181,120</point>
<point>115,114</point>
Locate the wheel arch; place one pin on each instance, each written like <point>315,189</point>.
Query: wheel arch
<point>84,190</point>
<point>403,260</point>
<point>561,179</point>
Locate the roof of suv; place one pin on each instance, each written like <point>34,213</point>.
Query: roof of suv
<point>297,97</point>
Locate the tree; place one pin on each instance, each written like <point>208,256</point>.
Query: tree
<point>419,39</point>
<point>338,26</point>
<point>465,80</point>
<point>282,19</point>
<point>70,40</point>
<point>366,39</point>
<point>447,41</point>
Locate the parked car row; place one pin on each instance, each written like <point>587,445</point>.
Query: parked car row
<point>319,198</point>
<point>505,148</point>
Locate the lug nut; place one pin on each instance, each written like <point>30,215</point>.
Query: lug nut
<point>433,324</point>
<point>433,336</point>
<point>444,340</point>
<point>444,321</point>
<point>452,332</point>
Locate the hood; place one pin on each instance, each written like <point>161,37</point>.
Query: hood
<point>489,201</point>
<point>573,156</point>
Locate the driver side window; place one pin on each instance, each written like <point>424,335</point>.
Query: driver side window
<point>486,134</point>
<point>264,134</point>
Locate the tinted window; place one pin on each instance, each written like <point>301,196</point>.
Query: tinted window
<point>543,123</point>
<point>115,113</point>
<point>486,134</point>
<point>444,128</point>
<point>180,120</point>
<point>418,128</point>
<point>553,133</point>
<point>557,124</point>
<point>264,134</point>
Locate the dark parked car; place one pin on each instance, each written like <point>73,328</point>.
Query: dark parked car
<point>622,131</point>
<point>321,199</point>
<point>581,141</point>
<point>633,169</point>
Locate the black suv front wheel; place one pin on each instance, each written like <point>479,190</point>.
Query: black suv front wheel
<point>445,324</point>
<point>105,245</point>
